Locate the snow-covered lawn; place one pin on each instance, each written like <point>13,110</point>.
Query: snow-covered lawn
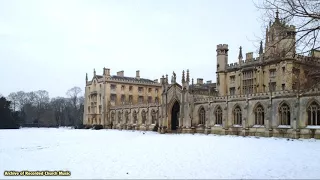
<point>127,154</point>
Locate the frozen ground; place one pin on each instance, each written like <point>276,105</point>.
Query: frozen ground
<point>127,154</point>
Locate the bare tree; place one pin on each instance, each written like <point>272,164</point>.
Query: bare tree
<point>59,106</point>
<point>40,99</point>
<point>74,94</point>
<point>13,97</point>
<point>21,99</point>
<point>302,14</point>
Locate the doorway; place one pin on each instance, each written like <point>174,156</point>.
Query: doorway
<point>175,116</point>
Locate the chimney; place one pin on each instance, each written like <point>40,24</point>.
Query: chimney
<point>138,74</point>
<point>209,82</point>
<point>106,72</point>
<point>200,81</point>
<point>120,73</point>
<point>249,55</point>
<point>156,80</point>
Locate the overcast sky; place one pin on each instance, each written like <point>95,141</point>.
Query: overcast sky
<point>51,45</point>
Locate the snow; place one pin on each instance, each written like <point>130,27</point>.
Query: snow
<point>144,155</point>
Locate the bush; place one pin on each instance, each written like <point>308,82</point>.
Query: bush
<point>88,127</point>
<point>97,127</point>
<point>155,128</point>
<point>80,126</point>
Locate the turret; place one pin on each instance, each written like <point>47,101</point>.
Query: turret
<point>222,62</point>
<point>86,77</point>
<point>222,57</point>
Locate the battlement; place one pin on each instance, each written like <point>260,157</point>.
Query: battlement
<point>222,46</point>
<point>233,65</point>
<point>309,60</point>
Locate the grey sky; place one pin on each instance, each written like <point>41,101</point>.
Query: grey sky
<point>50,45</point>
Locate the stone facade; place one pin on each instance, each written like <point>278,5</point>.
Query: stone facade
<point>264,96</point>
<point>106,91</point>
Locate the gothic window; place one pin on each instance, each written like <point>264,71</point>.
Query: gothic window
<point>135,118</point>
<point>119,117</point>
<point>237,116</point>
<point>153,117</point>
<point>126,117</point>
<point>156,100</point>
<point>284,114</point>
<point>259,115</point>
<point>130,99</point>
<point>112,116</point>
<point>218,115</point>
<point>314,114</point>
<point>149,99</point>
<point>144,116</point>
<point>202,116</point>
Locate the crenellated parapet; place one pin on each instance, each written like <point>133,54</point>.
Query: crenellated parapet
<point>309,60</point>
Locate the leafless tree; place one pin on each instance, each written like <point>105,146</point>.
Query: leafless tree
<point>74,94</point>
<point>21,99</point>
<point>40,99</point>
<point>13,97</point>
<point>303,14</point>
<point>58,105</point>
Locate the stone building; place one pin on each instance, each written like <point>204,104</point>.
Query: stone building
<point>105,91</point>
<point>273,94</point>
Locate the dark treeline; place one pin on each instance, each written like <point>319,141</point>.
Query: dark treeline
<point>37,109</point>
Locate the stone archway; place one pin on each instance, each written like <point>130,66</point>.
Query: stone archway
<point>175,116</point>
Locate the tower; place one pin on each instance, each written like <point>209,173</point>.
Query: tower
<point>280,39</point>
<point>222,62</point>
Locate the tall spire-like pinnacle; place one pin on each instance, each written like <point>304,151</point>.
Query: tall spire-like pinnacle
<point>261,49</point>
<point>188,78</point>
<point>277,16</point>
<point>94,72</point>
<point>240,53</point>
<point>86,77</point>
<point>183,78</point>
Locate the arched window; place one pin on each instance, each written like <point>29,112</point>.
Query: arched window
<point>314,114</point>
<point>202,116</point>
<point>237,116</point>
<point>259,115</point>
<point>126,117</point>
<point>284,114</point>
<point>144,116</point>
<point>218,114</point>
<point>119,117</point>
<point>135,118</point>
<point>153,117</point>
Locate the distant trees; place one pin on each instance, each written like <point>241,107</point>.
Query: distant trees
<point>37,109</point>
<point>7,121</point>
